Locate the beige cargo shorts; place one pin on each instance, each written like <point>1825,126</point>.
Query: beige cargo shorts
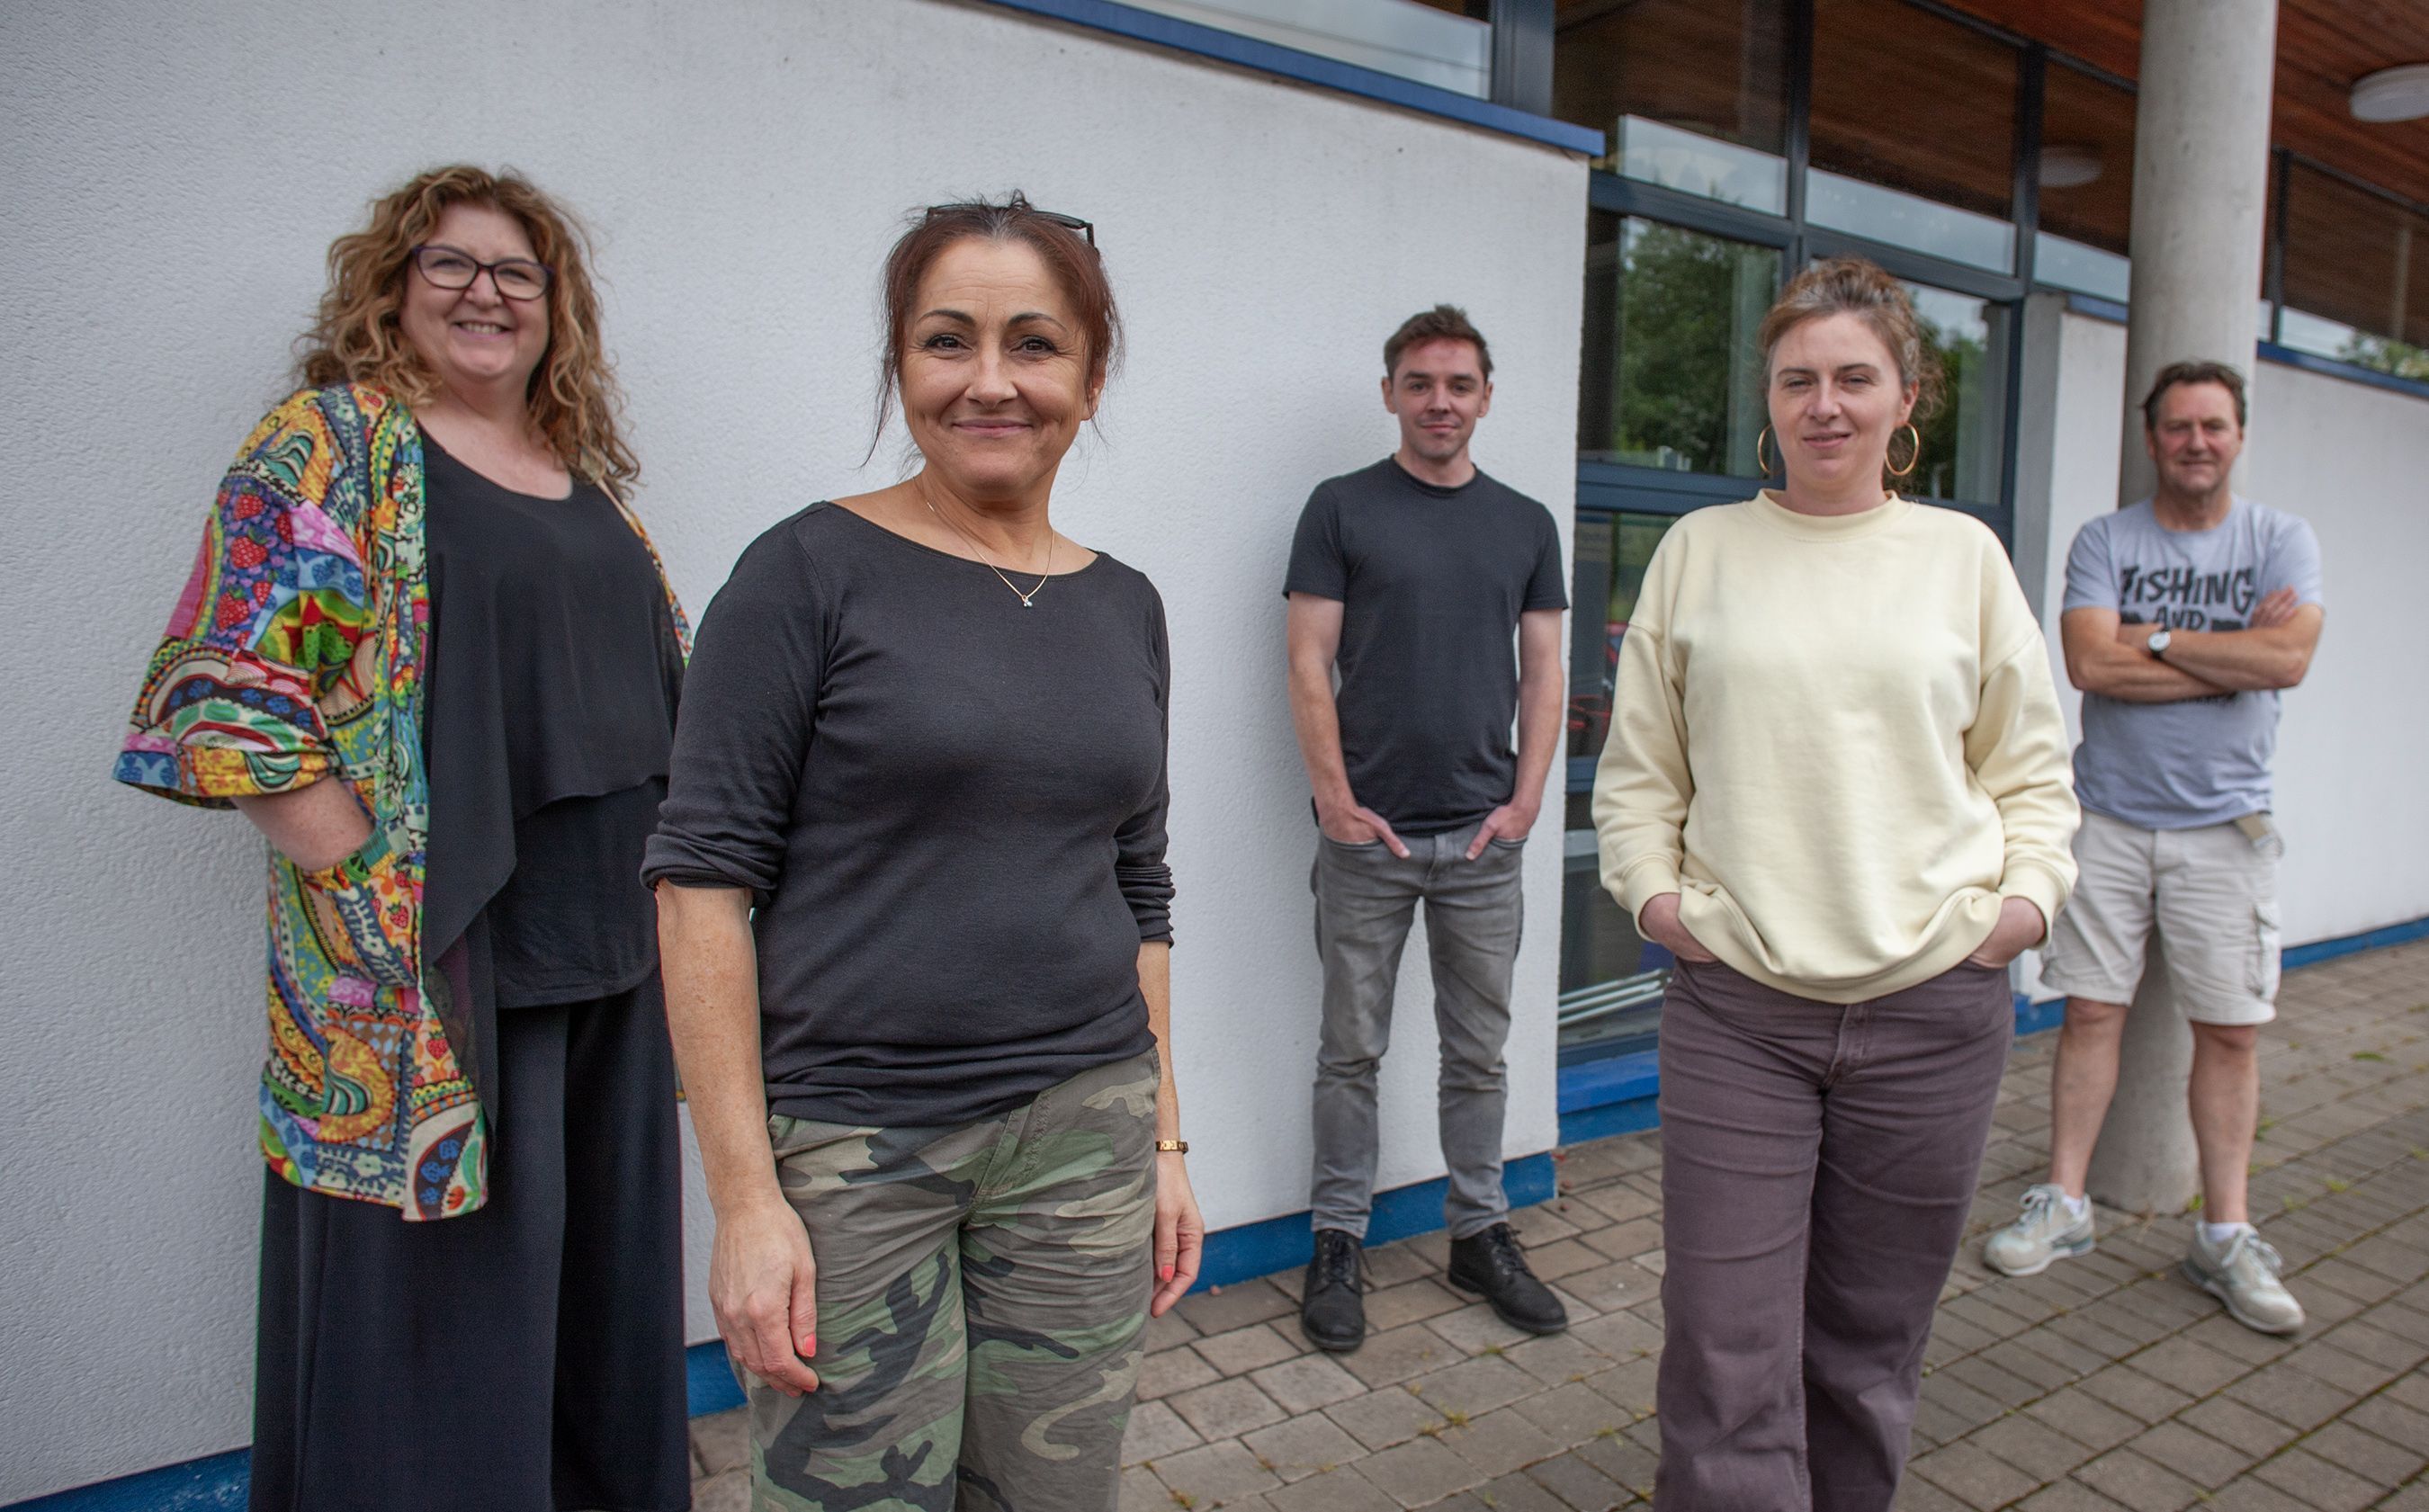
<point>2210,893</point>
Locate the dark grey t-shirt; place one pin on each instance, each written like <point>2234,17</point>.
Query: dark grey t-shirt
<point>949,810</point>
<point>1431,582</point>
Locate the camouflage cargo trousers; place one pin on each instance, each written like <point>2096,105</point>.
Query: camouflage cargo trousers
<point>981,1292</point>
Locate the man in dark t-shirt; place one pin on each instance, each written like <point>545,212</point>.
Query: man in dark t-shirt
<point>1408,578</point>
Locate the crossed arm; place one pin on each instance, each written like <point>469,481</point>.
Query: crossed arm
<point>2108,657</point>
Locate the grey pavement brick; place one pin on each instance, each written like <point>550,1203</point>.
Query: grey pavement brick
<point>2366,1338</point>
<point>2316,1484</point>
<point>1964,1403</point>
<point>1973,1475</point>
<point>721,1441</point>
<point>1572,1413</point>
<point>2003,1386</point>
<point>1140,1490</point>
<point>1625,1241</point>
<point>1420,1473</point>
<point>2067,1496</point>
<point>2192,1367</point>
<point>1216,1472</point>
<point>1381,1418</point>
<point>2230,1421</point>
<point>1340,1490</point>
<point>2251,1494</point>
<point>1304,1446</point>
<point>729,1492</point>
<point>2390,1420</point>
<point>1620,1334</point>
<point>1514,1493</point>
<point>2146,1486</point>
<point>1155,1431</point>
<point>1579,1485</point>
<point>1247,1349</point>
<point>2361,1283</point>
<point>2130,1392</point>
<point>1473,1330</point>
<point>1173,1370</point>
<point>1622,1458</point>
<point>1629,1386</point>
<point>1500,1443</point>
<point>1170,1331</point>
<point>1307,1383</point>
<point>1410,1302</point>
<point>1393,1264</point>
<point>2043,1373</point>
<point>1394,1357</point>
<point>1609,1288</point>
<point>1562,1258</point>
<point>1225,1410</point>
<point>2370,1455</point>
<point>2195,1455</point>
<point>1475,1388</point>
<point>1558,1358</point>
<point>2222,1333</point>
<point>2032,1446</point>
<point>1915,1494</point>
<point>2348,1372</point>
<point>1234,1307</point>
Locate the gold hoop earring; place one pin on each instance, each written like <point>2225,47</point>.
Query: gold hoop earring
<point>1911,461</point>
<point>1762,467</point>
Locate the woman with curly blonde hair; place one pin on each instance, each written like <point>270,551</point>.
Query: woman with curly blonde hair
<point>418,580</point>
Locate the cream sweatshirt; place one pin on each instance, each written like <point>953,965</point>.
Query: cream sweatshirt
<point>1838,740</point>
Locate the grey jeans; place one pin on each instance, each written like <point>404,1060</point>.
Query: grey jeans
<point>1365,900</point>
<point>1818,1165</point>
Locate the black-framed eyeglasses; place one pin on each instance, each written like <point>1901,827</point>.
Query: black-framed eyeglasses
<point>1068,223</point>
<point>453,267</point>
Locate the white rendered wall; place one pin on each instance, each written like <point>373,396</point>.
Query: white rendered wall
<point>173,176</point>
<point>2349,458</point>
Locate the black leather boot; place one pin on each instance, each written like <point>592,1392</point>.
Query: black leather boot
<point>1491,1265</point>
<point>1331,1313</point>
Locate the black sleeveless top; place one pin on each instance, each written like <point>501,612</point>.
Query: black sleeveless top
<point>548,715</point>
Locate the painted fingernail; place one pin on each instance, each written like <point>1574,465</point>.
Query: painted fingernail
<point>1166,1273</point>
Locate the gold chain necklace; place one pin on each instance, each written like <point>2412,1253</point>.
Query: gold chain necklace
<point>1028,600</point>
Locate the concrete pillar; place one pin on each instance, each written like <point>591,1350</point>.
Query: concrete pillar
<point>2201,189</point>
<point>2201,186</point>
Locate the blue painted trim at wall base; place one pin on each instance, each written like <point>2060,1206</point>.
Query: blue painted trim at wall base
<point>709,1377</point>
<point>1284,1243</point>
<point>2319,950</point>
<point>219,1484</point>
<point>1311,68</point>
<point>1634,1115</point>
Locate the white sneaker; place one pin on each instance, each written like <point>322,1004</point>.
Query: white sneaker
<point>2044,1232</point>
<point>2242,1273</point>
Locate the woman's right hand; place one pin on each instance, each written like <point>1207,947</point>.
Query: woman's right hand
<point>1660,924</point>
<point>763,1283</point>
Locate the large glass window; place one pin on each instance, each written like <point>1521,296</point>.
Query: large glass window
<point>1689,91</point>
<point>1611,977</point>
<point>1962,441</point>
<point>1671,378</point>
<point>2356,275</point>
<point>1879,171</point>
<point>2087,184</point>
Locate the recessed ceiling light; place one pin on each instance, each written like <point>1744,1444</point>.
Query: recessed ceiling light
<point>2069,166</point>
<point>2398,93</point>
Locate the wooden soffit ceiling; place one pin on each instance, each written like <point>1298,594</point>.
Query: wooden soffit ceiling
<point>2323,47</point>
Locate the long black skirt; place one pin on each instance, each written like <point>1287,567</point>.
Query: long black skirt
<point>519,1359</point>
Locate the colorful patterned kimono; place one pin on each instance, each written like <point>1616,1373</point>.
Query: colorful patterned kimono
<point>295,653</point>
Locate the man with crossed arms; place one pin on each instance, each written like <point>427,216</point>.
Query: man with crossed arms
<point>2185,616</point>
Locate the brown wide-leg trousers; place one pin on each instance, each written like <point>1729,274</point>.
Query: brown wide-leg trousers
<point>1818,1163</point>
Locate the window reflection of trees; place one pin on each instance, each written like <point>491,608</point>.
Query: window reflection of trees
<point>1683,393</point>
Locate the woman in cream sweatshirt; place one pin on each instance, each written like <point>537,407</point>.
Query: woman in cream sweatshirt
<point>1837,790</point>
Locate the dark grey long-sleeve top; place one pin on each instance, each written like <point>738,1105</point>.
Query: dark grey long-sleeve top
<point>949,808</point>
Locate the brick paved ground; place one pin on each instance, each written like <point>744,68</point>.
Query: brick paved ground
<point>2105,1383</point>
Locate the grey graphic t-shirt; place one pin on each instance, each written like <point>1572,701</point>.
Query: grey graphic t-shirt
<point>2202,760</point>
